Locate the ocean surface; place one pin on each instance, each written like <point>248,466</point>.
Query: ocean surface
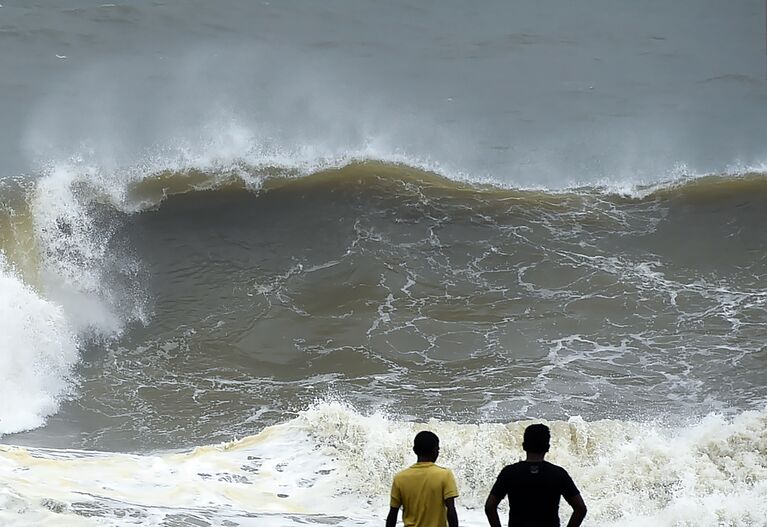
<point>249,249</point>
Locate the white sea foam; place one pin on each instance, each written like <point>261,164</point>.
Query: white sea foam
<point>332,462</point>
<point>37,352</point>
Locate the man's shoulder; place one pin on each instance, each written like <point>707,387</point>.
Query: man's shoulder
<point>412,469</point>
<point>403,473</point>
<point>438,471</point>
<point>514,467</point>
<point>555,468</point>
<point>509,471</point>
<point>559,474</point>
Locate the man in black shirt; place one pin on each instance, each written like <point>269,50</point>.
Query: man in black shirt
<point>534,487</point>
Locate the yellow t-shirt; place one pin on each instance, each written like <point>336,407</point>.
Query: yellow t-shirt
<point>421,490</point>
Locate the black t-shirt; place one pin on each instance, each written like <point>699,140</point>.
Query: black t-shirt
<point>534,489</point>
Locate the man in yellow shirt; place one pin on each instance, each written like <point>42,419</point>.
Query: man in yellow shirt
<point>425,491</point>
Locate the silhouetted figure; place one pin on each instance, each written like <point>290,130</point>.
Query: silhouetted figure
<point>534,487</point>
<point>425,491</point>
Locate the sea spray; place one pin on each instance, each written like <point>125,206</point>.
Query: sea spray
<point>79,263</point>
<point>37,352</point>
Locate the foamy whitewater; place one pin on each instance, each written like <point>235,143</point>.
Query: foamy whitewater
<point>247,251</point>
<point>332,465</point>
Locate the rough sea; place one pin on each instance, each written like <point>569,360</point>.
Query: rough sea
<point>249,248</point>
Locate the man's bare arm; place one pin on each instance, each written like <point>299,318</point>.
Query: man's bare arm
<point>391,519</point>
<point>579,510</point>
<point>491,511</point>
<point>452,515</point>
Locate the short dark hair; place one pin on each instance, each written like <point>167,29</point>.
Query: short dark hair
<point>536,438</point>
<point>425,443</point>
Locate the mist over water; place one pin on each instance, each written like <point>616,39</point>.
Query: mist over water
<point>248,249</point>
<point>541,95</point>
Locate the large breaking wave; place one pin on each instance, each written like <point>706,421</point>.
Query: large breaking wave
<point>64,279</point>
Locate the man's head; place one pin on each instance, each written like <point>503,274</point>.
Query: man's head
<point>536,439</point>
<point>426,446</point>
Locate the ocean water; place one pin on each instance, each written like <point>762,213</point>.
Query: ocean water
<point>249,249</point>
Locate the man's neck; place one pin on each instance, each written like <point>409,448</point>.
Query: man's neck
<point>426,459</point>
<point>535,457</point>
